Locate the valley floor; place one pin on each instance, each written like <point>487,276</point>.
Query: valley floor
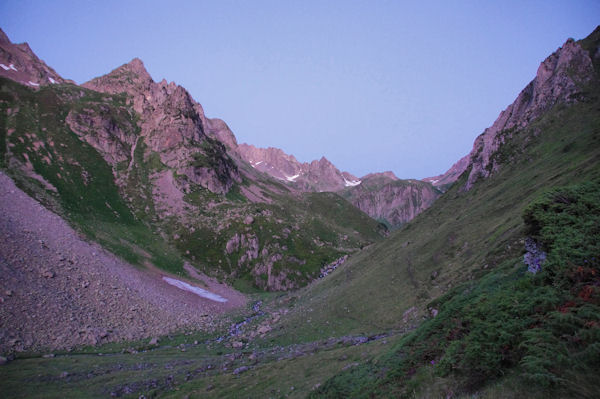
<point>58,291</point>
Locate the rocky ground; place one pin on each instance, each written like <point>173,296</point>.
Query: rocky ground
<point>59,291</point>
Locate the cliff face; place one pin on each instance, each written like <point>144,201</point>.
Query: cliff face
<point>559,80</point>
<point>386,198</point>
<point>171,124</point>
<point>19,63</point>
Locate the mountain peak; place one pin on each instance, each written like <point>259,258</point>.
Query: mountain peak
<point>134,67</point>
<point>324,161</point>
<point>3,37</point>
<point>137,66</point>
<point>130,77</point>
<point>558,80</point>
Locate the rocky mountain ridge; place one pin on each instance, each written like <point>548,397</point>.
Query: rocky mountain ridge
<point>382,195</point>
<point>318,175</point>
<point>559,80</point>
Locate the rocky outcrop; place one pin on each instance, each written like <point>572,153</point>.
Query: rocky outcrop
<point>219,130</point>
<point>246,243</point>
<point>174,126</point>
<point>330,268</point>
<point>97,127</point>
<point>318,175</point>
<point>19,63</point>
<point>261,263</point>
<point>386,198</point>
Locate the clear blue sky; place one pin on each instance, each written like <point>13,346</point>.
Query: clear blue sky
<point>372,85</point>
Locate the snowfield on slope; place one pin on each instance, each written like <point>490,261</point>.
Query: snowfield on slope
<point>196,290</point>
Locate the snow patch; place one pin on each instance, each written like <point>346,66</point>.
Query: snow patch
<point>292,178</point>
<point>195,290</point>
<point>33,83</point>
<point>51,80</point>
<point>434,181</point>
<point>4,67</point>
<point>352,183</point>
<point>11,66</point>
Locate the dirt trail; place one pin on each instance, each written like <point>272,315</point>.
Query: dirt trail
<point>59,291</point>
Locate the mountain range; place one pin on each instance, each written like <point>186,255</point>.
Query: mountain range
<point>482,281</point>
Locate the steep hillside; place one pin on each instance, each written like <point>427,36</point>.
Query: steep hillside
<point>122,202</point>
<point>89,296</point>
<point>136,164</point>
<point>390,200</point>
<point>559,80</point>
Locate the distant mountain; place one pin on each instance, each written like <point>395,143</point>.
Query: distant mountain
<point>388,199</point>
<point>318,175</point>
<point>19,63</point>
<point>382,196</point>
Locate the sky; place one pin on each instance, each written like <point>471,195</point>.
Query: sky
<point>372,85</point>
